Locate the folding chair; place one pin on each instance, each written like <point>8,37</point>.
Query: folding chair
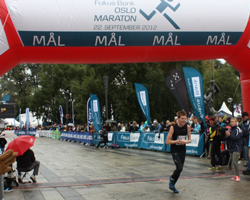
<point>24,175</point>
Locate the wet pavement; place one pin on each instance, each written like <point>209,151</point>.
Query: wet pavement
<point>76,172</point>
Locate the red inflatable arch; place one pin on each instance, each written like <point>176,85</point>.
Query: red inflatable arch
<point>125,31</point>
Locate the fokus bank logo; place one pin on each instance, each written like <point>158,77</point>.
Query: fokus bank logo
<point>163,7</point>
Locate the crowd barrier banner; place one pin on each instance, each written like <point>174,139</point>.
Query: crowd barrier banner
<point>111,138</point>
<point>85,137</point>
<point>44,133</point>
<point>24,132</point>
<point>127,139</point>
<point>143,140</point>
<point>196,145</point>
<point>56,134</point>
<point>153,141</point>
<point>66,135</point>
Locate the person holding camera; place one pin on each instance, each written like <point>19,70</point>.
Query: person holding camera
<point>235,146</point>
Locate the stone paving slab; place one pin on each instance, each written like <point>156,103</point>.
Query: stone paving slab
<point>72,171</point>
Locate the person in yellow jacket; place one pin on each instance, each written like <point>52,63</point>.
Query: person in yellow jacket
<point>215,140</point>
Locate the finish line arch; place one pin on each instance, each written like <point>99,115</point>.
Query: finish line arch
<point>126,31</point>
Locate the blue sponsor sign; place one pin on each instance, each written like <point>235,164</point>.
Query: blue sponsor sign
<point>85,137</point>
<point>111,139</point>
<point>196,145</point>
<point>194,83</point>
<point>22,132</point>
<point>143,140</point>
<point>127,139</point>
<point>143,99</point>
<point>95,112</point>
<point>153,141</point>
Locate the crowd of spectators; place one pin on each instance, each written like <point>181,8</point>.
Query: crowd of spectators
<point>219,131</point>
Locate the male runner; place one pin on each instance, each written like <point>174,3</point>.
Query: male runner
<point>178,136</point>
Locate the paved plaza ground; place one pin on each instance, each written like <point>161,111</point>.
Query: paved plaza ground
<point>76,172</point>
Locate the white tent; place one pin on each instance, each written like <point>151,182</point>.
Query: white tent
<point>224,109</point>
<point>12,122</point>
<point>33,120</point>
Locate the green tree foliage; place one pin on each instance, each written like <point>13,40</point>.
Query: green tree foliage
<point>40,87</point>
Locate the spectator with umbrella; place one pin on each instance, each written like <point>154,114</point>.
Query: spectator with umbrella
<point>26,160</point>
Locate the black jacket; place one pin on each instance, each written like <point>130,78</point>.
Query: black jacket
<point>245,127</point>
<point>235,140</point>
<point>2,142</point>
<point>26,159</point>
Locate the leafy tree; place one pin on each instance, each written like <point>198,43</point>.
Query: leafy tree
<point>40,87</point>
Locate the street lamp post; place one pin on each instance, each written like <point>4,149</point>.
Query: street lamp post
<point>73,113</point>
<point>106,80</point>
<point>230,100</point>
<point>68,95</point>
<point>67,107</point>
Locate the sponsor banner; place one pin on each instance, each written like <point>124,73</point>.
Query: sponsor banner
<point>89,119</point>
<point>111,139</point>
<point>126,139</point>
<point>56,134</point>
<point>169,83</point>
<point>61,114</point>
<point>153,141</point>
<point>27,123</point>
<point>142,96</point>
<point>128,22</point>
<point>194,141</point>
<point>112,39</point>
<point>95,112</point>
<point>138,140</point>
<point>178,84</point>
<point>85,137</point>
<point>134,137</point>
<point>131,15</point>
<point>194,82</point>
<point>196,146</point>
<point>44,133</point>
<point>23,132</point>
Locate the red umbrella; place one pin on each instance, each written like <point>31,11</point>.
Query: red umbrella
<point>21,144</point>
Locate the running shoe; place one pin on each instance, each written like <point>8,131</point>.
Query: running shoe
<point>172,186</point>
<point>237,179</point>
<point>219,168</point>
<point>8,189</point>
<point>233,178</point>
<point>211,168</point>
<point>33,178</point>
